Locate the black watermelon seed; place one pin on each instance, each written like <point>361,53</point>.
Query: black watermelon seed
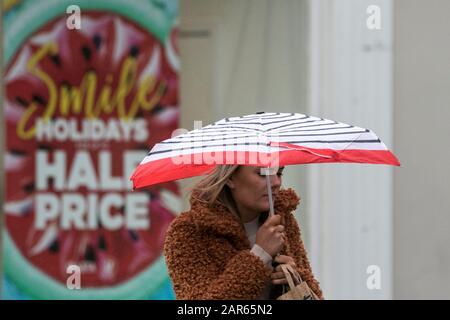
<point>54,246</point>
<point>139,114</point>
<point>16,152</point>
<point>29,188</point>
<point>56,59</point>
<point>157,109</point>
<point>44,147</point>
<point>134,51</point>
<point>22,101</point>
<point>134,236</point>
<point>102,243</point>
<point>97,41</point>
<point>90,255</point>
<point>65,83</point>
<point>86,51</point>
<point>39,99</point>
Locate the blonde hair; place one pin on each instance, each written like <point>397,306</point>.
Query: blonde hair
<point>213,188</point>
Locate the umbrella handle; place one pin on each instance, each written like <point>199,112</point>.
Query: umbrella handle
<point>269,192</point>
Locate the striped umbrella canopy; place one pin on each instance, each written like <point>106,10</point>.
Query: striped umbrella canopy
<point>262,139</point>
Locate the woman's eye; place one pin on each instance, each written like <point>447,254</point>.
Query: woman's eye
<point>261,174</point>
<point>280,174</point>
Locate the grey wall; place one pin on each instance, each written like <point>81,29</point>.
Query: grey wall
<point>422,143</point>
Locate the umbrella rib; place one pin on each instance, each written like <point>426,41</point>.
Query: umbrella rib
<point>295,147</point>
<point>190,139</point>
<point>293,124</point>
<point>239,119</point>
<point>230,128</point>
<point>319,134</point>
<point>316,125</point>
<point>335,141</point>
<point>345,148</point>
<point>305,117</point>
<point>242,122</point>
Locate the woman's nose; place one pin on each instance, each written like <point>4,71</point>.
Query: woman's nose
<point>275,180</point>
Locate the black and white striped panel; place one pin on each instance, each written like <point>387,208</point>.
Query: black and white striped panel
<point>253,132</point>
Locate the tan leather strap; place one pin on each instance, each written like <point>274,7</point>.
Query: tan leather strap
<point>288,276</point>
<point>295,274</point>
<point>294,279</point>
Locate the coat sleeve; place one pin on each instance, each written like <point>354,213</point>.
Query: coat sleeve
<point>299,254</point>
<point>195,275</point>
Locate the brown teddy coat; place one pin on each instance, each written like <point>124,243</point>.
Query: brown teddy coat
<point>208,254</point>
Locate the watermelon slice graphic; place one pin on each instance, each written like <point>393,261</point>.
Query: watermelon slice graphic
<point>122,262</point>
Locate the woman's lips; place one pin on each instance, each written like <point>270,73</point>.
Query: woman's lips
<point>273,195</point>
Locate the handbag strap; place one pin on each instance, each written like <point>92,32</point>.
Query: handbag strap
<point>291,274</point>
<point>288,276</point>
<point>294,273</point>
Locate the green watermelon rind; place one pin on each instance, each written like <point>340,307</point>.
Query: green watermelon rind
<point>145,13</point>
<point>26,277</point>
<point>33,282</point>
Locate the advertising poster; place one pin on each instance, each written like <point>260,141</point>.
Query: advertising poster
<point>89,87</point>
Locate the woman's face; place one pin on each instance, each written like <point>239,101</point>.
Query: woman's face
<point>249,188</point>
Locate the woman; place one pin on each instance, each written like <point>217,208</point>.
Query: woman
<point>225,246</point>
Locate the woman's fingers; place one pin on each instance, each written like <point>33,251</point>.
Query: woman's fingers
<point>278,278</point>
<point>277,275</point>
<point>279,281</point>
<point>277,229</point>
<point>273,220</point>
<point>285,259</point>
<point>278,269</point>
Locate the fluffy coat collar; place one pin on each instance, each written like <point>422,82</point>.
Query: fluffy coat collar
<point>218,220</point>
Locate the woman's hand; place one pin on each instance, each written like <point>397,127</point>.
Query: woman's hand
<point>278,276</point>
<point>271,236</point>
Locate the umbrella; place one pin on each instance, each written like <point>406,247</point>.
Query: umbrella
<point>263,139</point>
